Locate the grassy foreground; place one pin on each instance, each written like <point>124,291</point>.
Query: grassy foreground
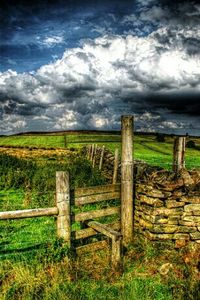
<point>50,275</point>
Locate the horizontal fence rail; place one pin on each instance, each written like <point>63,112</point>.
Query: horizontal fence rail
<point>105,229</point>
<point>96,198</point>
<point>87,232</point>
<point>96,214</point>
<point>96,190</point>
<point>28,213</point>
<point>81,196</point>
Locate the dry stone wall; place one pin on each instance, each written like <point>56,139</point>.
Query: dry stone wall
<point>167,207</point>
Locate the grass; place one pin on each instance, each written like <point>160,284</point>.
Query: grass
<point>33,262</point>
<point>50,275</point>
<point>146,148</point>
<point>46,141</point>
<point>31,184</point>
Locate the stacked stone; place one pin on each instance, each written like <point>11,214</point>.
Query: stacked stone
<point>168,208</point>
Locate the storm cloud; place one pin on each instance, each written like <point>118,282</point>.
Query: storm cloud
<point>149,68</point>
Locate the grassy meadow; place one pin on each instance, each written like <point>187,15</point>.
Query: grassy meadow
<point>146,147</point>
<point>33,262</point>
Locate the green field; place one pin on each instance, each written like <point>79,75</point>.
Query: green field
<point>33,263</point>
<point>146,147</point>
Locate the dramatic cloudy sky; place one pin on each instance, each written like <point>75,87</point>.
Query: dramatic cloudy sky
<point>82,64</point>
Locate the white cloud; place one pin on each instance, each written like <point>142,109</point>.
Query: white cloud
<point>145,2</point>
<point>155,13</point>
<point>68,120</point>
<point>129,19</point>
<point>171,125</point>
<point>93,82</point>
<point>99,121</point>
<point>53,40</point>
<point>107,63</point>
<point>12,123</point>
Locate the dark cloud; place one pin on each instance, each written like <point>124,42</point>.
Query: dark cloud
<point>177,103</point>
<point>139,57</point>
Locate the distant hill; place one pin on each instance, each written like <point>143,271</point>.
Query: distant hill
<point>100,132</point>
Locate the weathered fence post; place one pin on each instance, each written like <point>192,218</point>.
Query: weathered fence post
<point>88,151</point>
<point>101,158</point>
<point>116,165</point>
<point>63,205</point>
<point>116,253</point>
<point>179,154</point>
<point>94,155</point>
<point>127,179</point>
<point>65,141</point>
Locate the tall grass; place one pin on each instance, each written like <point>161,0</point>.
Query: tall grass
<point>51,275</point>
<point>40,176</point>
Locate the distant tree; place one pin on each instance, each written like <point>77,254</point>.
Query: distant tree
<point>160,138</point>
<point>190,144</point>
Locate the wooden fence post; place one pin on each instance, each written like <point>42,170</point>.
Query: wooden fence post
<point>65,141</point>
<point>94,155</point>
<point>127,179</point>
<point>116,253</point>
<point>116,165</point>
<point>179,154</point>
<point>63,205</point>
<point>89,151</point>
<point>101,158</point>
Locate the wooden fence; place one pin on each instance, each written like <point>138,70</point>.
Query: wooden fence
<point>110,164</point>
<point>107,162</point>
<point>68,201</point>
<point>120,232</point>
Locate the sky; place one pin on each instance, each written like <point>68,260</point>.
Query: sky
<point>71,65</point>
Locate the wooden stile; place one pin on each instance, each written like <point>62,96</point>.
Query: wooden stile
<point>105,229</point>
<point>63,205</point>
<point>127,179</point>
<point>81,196</point>
<point>87,232</point>
<point>115,239</point>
